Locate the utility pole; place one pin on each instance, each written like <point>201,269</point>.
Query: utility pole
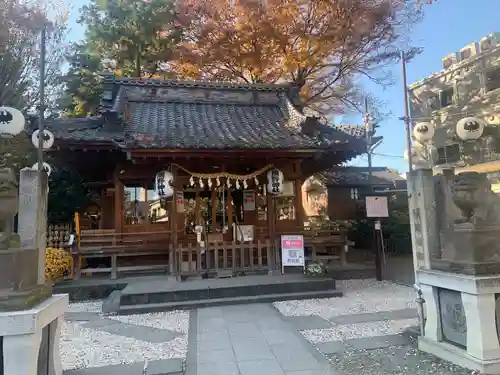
<point>41,127</point>
<point>369,136</point>
<point>406,117</point>
<point>377,234</point>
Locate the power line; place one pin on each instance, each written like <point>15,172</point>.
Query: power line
<point>389,156</point>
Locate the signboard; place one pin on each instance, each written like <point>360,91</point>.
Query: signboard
<point>179,201</point>
<point>249,200</point>
<point>377,207</point>
<point>292,252</point>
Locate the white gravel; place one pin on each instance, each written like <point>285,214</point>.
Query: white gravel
<point>356,331</point>
<point>172,320</point>
<point>360,296</point>
<point>83,347</point>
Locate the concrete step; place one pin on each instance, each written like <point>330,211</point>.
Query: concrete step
<point>200,303</point>
<point>223,289</point>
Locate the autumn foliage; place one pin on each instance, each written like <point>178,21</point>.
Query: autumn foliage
<point>323,46</point>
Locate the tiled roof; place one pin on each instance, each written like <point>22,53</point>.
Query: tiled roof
<point>358,176</point>
<point>175,114</point>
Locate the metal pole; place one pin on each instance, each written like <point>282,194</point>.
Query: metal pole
<point>41,128</point>
<point>406,117</point>
<point>369,134</point>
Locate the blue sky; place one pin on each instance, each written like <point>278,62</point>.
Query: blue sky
<point>447,26</point>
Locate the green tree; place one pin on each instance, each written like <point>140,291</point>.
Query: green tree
<point>139,35</point>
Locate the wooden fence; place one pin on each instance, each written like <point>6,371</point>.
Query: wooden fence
<point>191,260</point>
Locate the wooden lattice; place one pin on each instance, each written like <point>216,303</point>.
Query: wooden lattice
<point>58,235</point>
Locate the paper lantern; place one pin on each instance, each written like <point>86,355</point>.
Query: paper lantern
<point>46,167</point>
<point>423,131</point>
<point>275,180</point>
<point>470,128</point>
<point>11,121</point>
<point>48,139</point>
<point>163,183</point>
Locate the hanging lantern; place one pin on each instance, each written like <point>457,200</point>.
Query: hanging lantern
<point>228,182</point>
<point>275,180</point>
<point>423,131</point>
<point>48,139</point>
<point>11,121</point>
<point>209,183</point>
<point>191,181</point>
<point>46,167</point>
<point>202,185</point>
<point>218,181</point>
<point>237,185</point>
<point>256,180</point>
<point>245,185</point>
<point>417,159</point>
<point>470,128</point>
<point>163,183</point>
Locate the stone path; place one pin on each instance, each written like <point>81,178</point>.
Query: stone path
<point>249,340</point>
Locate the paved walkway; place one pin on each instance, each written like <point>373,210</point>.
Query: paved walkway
<point>249,340</point>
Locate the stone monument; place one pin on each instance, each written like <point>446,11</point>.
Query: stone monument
<point>460,281</point>
<point>30,315</point>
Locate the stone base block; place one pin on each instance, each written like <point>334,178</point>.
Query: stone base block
<point>24,299</point>
<point>458,356</point>
<point>30,338</point>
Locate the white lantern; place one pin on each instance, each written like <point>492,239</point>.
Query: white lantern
<point>46,167</point>
<point>417,160</point>
<point>275,180</point>
<point>163,183</point>
<point>423,131</point>
<point>48,139</point>
<point>470,128</point>
<point>11,121</point>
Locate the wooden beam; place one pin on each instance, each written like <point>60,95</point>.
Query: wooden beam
<point>119,201</point>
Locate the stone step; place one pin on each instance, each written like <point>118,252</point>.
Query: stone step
<point>223,288</point>
<point>194,304</point>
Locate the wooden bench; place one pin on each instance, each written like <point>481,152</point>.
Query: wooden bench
<point>108,244</point>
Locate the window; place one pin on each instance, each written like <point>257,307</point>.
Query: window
<point>448,154</point>
<point>493,79</point>
<point>157,210</point>
<point>465,53</point>
<point>446,97</point>
<point>355,194</point>
<point>135,205</point>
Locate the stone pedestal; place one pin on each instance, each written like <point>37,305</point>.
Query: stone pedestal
<point>461,324</point>
<point>30,338</point>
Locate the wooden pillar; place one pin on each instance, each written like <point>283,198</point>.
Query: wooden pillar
<point>271,227</point>
<point>229,211</point>
<point>173,261</point>
<point>299,207</point>
<point>214,210</point>
<point>119,201</point>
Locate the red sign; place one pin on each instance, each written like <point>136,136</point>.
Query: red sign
<point>289,243</point>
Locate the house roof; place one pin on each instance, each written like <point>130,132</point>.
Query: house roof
<point>175,114</point>
<point>358,176</point>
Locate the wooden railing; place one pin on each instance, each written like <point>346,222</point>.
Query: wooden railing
<point>233,257</point>
<point>99,244</point>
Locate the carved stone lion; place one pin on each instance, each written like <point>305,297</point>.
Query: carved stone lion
<point>9,200</point>
<point>472,194</point>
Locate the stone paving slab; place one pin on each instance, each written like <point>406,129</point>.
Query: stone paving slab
<point>172,366</point>
<point>250,340</point>
<point>364,343</point>
<point>302,323</point>
<point>138,332</point>
<point>81,316</point>
<point>374,317</point>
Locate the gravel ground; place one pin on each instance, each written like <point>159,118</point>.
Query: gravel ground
<point>85,347</point>
<point>356,331</point>
<point>394,361</point>
<point>360,296</point>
